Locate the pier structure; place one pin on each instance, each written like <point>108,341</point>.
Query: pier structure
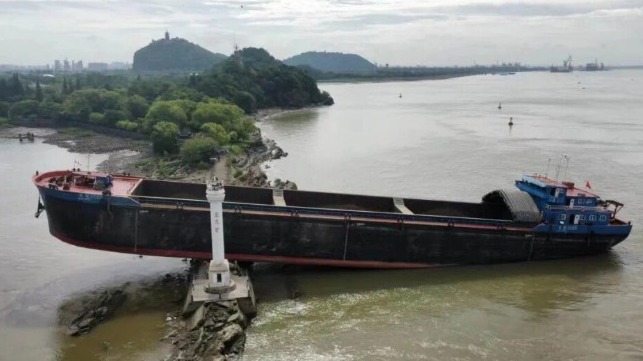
<point>27,136</point>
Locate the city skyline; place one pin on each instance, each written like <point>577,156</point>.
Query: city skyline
<point>406,33</point>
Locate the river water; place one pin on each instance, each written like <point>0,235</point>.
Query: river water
<point>38,273</point>
<point>447,139</point>
<point>443,139</point>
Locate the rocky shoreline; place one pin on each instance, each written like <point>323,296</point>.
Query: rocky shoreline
<point>221,333</point>
<point>136,157</point>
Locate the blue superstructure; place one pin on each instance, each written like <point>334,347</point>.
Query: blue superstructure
<point>567,209</point>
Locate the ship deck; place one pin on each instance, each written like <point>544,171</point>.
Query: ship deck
<point>83,182</point>
<point>158,193</point>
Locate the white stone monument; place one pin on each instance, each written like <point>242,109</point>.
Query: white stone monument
<point>219,280</point>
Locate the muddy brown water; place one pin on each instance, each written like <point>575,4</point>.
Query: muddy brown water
<point>444,140</point>
<point>448,140</point>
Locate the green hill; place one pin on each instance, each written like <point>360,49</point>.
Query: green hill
<point>332,62</point>
<point>174,55</point>
<point>254,79</point>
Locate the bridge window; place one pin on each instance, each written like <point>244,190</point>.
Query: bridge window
<point>592,218</point>
<point>581,217</point>
<point>581,201</point>
<point>562,216</point>
<point>603,218</point>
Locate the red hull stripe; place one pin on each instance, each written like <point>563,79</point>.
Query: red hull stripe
<point>248,257</point>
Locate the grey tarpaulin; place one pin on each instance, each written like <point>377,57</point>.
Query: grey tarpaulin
<point>520,204</point>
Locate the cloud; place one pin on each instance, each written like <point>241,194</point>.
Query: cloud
<point>526,9</point>
<point>394,31</point>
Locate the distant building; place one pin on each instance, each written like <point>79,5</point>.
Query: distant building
<point>76,66</point>
<point>97,66</point>
<point>167,35</point>
<point>57,66</point>
<point>119,65</point>
<point>66,66</point>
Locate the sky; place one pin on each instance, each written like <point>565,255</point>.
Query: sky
<point>397,32</point>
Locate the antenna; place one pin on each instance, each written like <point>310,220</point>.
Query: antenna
<point>560,163</point>
<point>558,169</point>
<point>548,163</point>
<point>566,165</point>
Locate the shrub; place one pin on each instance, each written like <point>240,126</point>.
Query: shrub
<point>198,149</point>
<point>96,118</point>
<point>127,125</point>
<point>164,137</point>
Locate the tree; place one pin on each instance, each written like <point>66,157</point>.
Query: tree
<point>245,101</point>
<point>136,106</point>
<point>198,150</point>
<point>183,93</point>
<point>187,105</point>
<point>81,103</point>
<point>326,99</point>
<point>15,86</point>
<point>4,109</point>
<point>149,89</point>
<point>111,116</point>
<point>110,100</point>
<point>243,128</point>
<point>65,88</point>
<point>164,137</point>
<point>39,95</point>
<point>50,110</point>
<point>23,109</point>
<point>257,73</point>
<point>215,112</point>
<point>164,111</point>
<point>4,89</point>
<point>216,132</point>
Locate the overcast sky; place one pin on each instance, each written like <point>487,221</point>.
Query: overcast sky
<point>398,32</point>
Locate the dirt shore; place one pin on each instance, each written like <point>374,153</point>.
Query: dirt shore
<point>136,157</point>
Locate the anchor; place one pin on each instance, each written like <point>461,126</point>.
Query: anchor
<point>39,208</point>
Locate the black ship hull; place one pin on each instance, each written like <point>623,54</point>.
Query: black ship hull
<point>309,235</point>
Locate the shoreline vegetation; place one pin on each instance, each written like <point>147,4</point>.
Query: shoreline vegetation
<point>225,324</point>
<point>126,155</point>
<point>186,128</point>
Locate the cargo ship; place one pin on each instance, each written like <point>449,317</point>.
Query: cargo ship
<point>540,219</point>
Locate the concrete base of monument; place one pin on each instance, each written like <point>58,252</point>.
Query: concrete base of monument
<point>200,292</point>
